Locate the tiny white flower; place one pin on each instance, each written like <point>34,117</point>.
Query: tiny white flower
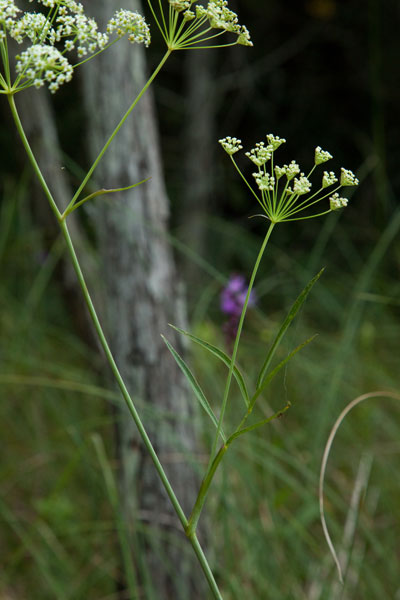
<point>131,23</point>
<point>291,170</point>
<point>301,185</point>
<point>321,156</point>
<point>189,15</point>
<point>280,171</point>
<point>336,202</point>
<point>180,5</point>
<point>260,154</point>
<point>347,178</point>
<point>329,178</point>
<point>41,61</point>
<point>231,145</point>
<point>244,37</point>
<point>275,141</point>
<point>265,181</point>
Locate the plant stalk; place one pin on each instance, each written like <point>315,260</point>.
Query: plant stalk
<point>215,460</point>
<point>237,340</point>
<point>92,311</point>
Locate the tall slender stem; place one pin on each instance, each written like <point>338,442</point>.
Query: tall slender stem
<point>237,340</point>
<point>118,377</point>
<point>31,156</point>
<point>216,459</point>
<point>92,311</point>
<point>201,497</point>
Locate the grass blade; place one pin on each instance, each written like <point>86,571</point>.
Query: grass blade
<point>194,385</point>
<point>223,357</point>
<point>291,315</point>
<point>122,531</point>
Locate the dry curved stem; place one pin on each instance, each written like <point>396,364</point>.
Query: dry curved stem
<point>345,411</point>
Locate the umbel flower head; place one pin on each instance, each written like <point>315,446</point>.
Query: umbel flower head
<point>188,24</point>
<point>50,35</point>
<point>285,191</point>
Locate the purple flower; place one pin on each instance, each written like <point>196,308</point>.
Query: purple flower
<point>233,296</point>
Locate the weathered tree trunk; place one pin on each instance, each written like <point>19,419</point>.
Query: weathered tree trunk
<point>143,296</point>
<point>199,145</point>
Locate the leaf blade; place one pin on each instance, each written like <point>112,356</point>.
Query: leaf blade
<point>223,357</point>
<point>289,318</point>
<point>198,392</point>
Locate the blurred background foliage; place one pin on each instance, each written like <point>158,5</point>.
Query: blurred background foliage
<point>322,72</point>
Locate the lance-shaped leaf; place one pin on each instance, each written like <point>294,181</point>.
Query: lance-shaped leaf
<point>223,357</point>
<point>102,192</point>
<point>194,384</point>
<point>272,374</point>
<point>291,315</point>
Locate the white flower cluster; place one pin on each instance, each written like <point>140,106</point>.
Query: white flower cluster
<point>131,23</point>
<point>321,156</point>
<point>329,178</point>
<point>301,185</point>
<point>275,141</point>
<point>8,14</point>
<point>35,27</point>
<point>260,154</point>
<point>181,5</point>
<point>218,15</point>
<point>347,178</point>
<point>231,145</point>
<point>42,64</point>
<point>78,30</point>
<point>280,171</point>
<point>63,28</point>
<point>336,202</point>
<point>281,201</point>
<point>291,170</point>
<point>265,181</point>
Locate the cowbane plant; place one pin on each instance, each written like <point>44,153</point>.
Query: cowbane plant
<point>55,37</point>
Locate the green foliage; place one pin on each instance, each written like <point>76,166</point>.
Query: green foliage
<point>59,533</point>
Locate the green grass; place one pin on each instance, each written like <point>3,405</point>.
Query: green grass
<point>59,511</point>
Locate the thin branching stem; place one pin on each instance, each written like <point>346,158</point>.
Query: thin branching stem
<point>116,130</point>
<point>236,344</point>
<point>107,351</point>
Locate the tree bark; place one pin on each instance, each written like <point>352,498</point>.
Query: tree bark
<point>143,296</point>
<point>199,156</point>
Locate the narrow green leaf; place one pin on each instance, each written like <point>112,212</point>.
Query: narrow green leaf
<point>272,374</point>
<point>223,357</point>
<point>291,315</point>
<point>256,425</point>
<point>194,385</point>
<point>104,191</point>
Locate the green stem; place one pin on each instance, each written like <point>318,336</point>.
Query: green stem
<point>92,311</point>
<point>32,159</point>
<point>205,566</point>
<point>116,130</point>
<point>146,440</point>
<point>237,339</point>
<point>214,461</point>
<point>118,377</point>
<point>201,497</point>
